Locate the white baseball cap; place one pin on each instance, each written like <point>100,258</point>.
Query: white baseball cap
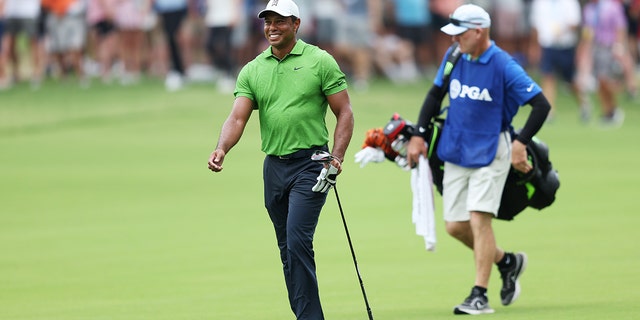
<point>285,8</point>
<point>468,16</point>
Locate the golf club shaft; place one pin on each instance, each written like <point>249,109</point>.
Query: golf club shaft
<point>353,255</point>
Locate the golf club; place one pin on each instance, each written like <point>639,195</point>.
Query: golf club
<point>323,156</point>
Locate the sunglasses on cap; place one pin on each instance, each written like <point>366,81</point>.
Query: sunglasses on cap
<point>465,23</point>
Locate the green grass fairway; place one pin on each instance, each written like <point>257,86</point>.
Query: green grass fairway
<point>108,212</point>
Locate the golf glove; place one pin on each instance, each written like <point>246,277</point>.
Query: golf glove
<point>326,179</point>
<point>369,154</point>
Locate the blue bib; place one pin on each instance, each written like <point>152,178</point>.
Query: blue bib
<point>484,96</point>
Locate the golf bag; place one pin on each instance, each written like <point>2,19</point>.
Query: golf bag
<point>536,189</point>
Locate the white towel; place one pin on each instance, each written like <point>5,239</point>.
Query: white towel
<point>423,204</point>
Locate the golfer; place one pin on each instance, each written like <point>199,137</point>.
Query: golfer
<point>291,84</point>
<point>486,88</point>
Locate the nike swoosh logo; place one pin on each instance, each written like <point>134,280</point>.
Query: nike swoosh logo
<point>480,305</point>
<point>297,68</point>
<point>530,88</point>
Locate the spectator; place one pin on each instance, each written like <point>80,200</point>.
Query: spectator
<point>249,35</point>
<point>556,25</point>
<point>192,40</point>
<point>172,15</point>
<point>394,56</point>
<point>3,75</point>
<point>412,20</point>
<point>21,17</point>
<point>132,19</point>
<point>511,27</point>
<point>307,29</point>
<point>221,19</point>
<point>101,20</point>
<point>326,23</point>
<point>632,13</point>
<point>67,33</point>
<point>440,11</point>
<point>604,44</point>
<point>356,32</point>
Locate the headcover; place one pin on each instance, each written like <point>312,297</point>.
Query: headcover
<point>398,126</point>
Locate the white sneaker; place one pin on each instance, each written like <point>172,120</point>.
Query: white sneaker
<point>173,82</point>
<point>614,120</point>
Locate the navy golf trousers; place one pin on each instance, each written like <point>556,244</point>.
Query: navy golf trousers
<point>294,210</point>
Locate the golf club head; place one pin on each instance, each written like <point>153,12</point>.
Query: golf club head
<point>321,156</point>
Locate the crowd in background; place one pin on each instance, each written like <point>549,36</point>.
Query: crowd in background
<point>182,41</point>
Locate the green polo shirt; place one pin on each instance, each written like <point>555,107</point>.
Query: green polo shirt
<point>290,96</point>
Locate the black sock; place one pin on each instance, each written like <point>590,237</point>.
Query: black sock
<point>479,290</point>
<point>507,260</point>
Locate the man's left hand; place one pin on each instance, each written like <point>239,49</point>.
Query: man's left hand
<point>326,179</point>
<point>519,159</point>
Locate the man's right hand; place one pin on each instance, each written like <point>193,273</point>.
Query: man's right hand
<point>416,148</point>
<point>215,160</point>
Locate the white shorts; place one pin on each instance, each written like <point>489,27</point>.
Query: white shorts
<point>476,189</point>
<point>66,33</point>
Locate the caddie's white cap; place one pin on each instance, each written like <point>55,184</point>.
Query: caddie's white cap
<point>285,8</point>
<point>468,16</point>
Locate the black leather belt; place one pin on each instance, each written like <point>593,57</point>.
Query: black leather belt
<point>302,153</point>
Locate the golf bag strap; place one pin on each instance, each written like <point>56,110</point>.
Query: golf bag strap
<point>452,59</point>
<point>432,105</point>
